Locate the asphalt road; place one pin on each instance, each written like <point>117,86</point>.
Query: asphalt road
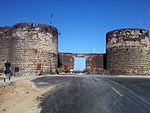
<point>95,94</point>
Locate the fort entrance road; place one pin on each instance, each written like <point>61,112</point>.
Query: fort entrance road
<point>95,94</point>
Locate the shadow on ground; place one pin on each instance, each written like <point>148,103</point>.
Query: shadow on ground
<point>56,98</point>
<point>94,95</point>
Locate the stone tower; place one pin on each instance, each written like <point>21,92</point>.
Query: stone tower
<point>30,48</point>
<point>128,51</point>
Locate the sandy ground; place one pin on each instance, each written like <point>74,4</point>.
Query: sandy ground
<point>21,97</point>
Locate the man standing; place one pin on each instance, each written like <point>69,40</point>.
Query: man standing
<point>7,71</point>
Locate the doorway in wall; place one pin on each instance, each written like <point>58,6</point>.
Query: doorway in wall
<point>79,64</point>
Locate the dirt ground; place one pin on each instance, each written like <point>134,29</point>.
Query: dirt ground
<point>64,93</point>
<point>21,97</point>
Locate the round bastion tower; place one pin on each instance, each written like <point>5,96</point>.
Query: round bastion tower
<point>29,48</point>
<point>128,52</point>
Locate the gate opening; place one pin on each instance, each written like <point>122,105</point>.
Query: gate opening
<point>79,64</point>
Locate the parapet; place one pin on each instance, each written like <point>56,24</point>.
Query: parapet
<point>128,32</point>
<point>29,26</point>
<point>5,28</point>
<point>47,28</point>
<point>5,31</point>
<point>127,37</point>
<point>22,25</point>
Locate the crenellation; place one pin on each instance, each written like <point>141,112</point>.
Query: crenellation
<point>22,26</point>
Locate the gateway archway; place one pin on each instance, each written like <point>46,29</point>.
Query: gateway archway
<point>93,62</point>
<point>79,64</point>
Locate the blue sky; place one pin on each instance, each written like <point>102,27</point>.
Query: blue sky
<point>80,64</point>
<point>83,24</point>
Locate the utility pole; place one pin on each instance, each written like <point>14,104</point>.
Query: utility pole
<point>51,19</point>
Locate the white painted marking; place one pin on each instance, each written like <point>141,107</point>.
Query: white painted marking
<point>43,83</point>
<point>117,92</point>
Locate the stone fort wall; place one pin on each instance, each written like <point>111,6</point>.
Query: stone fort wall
<point>94,62</point>
<point>34,48</point>
<point>128,52</point>
<point>29,47</point>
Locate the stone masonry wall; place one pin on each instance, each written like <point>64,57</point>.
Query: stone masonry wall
<point>4,44</point>
<point>27,46</point>
<point>65,59</point>
<point>94,62</point>
<point>128,52</point>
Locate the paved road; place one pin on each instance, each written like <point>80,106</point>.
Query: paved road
<point>95,94</point>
